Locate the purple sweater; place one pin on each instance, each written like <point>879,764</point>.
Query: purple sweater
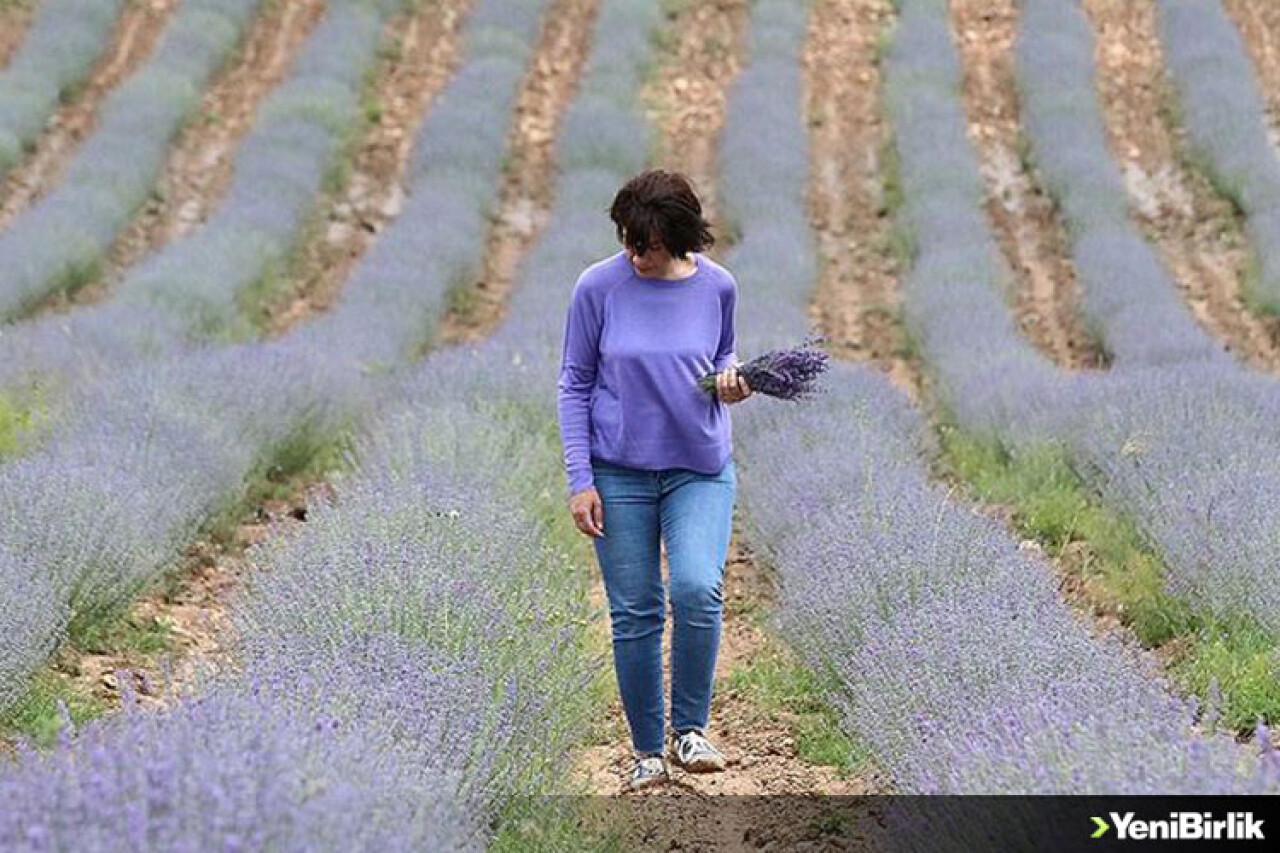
<point>634,349</point>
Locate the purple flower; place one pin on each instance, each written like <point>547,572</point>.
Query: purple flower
<point>786,374</point>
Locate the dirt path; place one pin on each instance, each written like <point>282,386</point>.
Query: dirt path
<point>1046,297</point>
<point>524,205</point>
<point>686,101</point>
<point>404,88</point>
<point>1259,24</point>
<point>856,303</point>
<point>15,17</point>
<point>1196,232</point>
<point>132,42</point>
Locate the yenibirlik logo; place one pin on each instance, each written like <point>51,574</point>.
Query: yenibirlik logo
<point>1183,826</point>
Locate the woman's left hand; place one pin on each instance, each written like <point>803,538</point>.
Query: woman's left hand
<point>731,387</point>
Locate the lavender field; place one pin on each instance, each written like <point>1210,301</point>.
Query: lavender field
<point>286,561</point>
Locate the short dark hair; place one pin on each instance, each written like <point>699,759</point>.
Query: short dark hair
<point>658,205</point>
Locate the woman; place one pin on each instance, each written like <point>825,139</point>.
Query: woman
<point>649,455</point>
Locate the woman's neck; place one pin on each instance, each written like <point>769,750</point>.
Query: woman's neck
<point>678,269</point>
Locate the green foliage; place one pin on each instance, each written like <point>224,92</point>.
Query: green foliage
<point>891,170</point>
<point>462,297</point>
<point>900,244</point>
<point>22,415</point>
<point>371,105</point>
<point>786,689</point>
<point>71,92</point>
<point>36,717</point>
<point>1245,662</point>
<point>129,636</point>
<point>76,274</point>
<point>255,303</point>
<point>1256,297</point>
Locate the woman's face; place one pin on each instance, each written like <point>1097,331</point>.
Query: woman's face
<point>654,259</point>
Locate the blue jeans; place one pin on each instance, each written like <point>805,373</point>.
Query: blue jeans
<point>693,514</point>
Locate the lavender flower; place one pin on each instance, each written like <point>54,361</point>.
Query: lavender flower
<point>787,374</point>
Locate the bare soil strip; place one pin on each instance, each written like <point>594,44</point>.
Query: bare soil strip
<point>524,205</point>
<point>198,170</point>
<point>1259,23</point>
<point>857,299</point>
<point>1196,231</point>
<point>373,194</point>
<point>15,17</point>
<point>132,42</point>
<point>686,101</point>
<point>1033,237</point>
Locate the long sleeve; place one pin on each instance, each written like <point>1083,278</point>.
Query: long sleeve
<point>577,380</point>
<point>725,353</point>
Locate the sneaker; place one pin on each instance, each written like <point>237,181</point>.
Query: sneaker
<point>649,770</point>
<point>695,753</point>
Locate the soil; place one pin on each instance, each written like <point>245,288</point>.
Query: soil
<point>15,17</point>
<point>404,88</point>
<point>1259,25</point>
<point>1046,295</point>
<point>1196,231</point>
<point>685,100</point>
<point>524,205</point>
<point>132,42</point>
<point>856,303</point>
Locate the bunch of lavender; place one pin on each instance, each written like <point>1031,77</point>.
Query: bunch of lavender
<point>787,374</point>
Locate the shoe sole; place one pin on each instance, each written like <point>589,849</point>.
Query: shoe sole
<point>700,765</point>
<point>647,783</point>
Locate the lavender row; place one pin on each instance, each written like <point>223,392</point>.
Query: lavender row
<point>315,747</point>
<point>188,290</point>
<point>1181,449</point>
<point>953,296</point>
<point>385,652</point>
<point>433,540</point>
<point>146,455</point>
<point>1129,298</point>
<point>1225,117</point>
<point>956,661</point>
<point>604,140</point>
<point>1174,430</point>
<point>949,651</point>
<point>65,234</point>
<point>394,298</point>
<point>63,42</point>
<point>428,543</point>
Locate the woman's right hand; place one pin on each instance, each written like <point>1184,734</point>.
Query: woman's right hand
<point>588,512</point>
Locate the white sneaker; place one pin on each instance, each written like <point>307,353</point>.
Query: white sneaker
<point>695,753</point>
<point>649,770</point>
